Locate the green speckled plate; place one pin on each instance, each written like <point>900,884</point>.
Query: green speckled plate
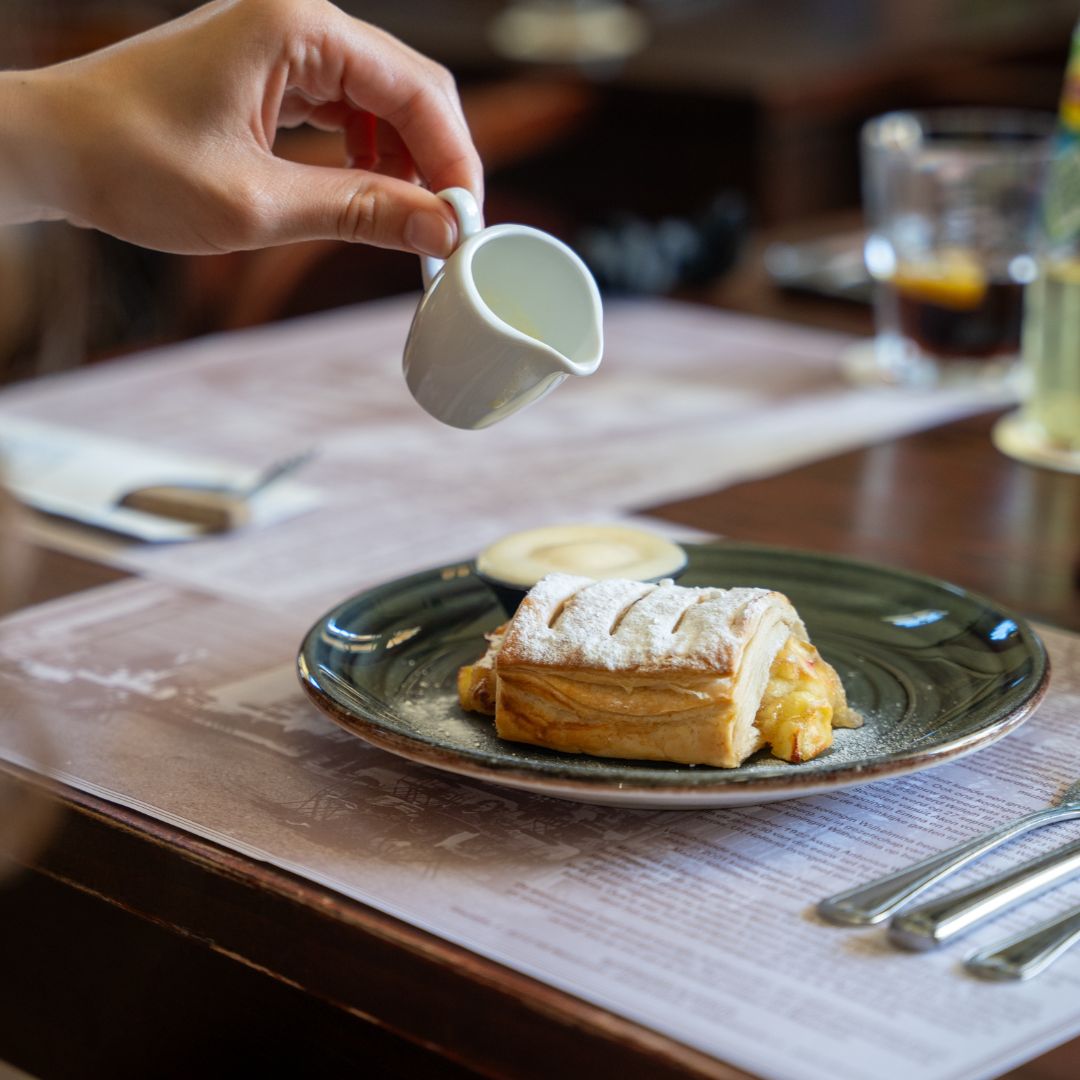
<point>936,671</point>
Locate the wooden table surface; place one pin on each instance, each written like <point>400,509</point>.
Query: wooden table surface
<point>167,955</point>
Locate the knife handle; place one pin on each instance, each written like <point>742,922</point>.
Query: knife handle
<point>1026,954</point>
<point>930,925</point>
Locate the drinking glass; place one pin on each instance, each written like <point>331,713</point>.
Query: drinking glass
<point>952,199</point>
<point>1045,430</point>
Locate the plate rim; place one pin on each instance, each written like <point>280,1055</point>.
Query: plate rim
<point>728,785</point>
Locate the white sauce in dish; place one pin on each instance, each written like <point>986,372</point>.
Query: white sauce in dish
<point>595,551</point>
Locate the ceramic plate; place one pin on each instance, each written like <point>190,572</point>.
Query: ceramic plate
<point>936,671</point>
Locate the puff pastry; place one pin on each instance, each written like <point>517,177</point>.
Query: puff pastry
<point>660,672</point>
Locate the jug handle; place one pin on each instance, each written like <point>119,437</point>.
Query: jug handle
<point>470,221</point>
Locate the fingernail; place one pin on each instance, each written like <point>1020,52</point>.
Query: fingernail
<point>428,232</point>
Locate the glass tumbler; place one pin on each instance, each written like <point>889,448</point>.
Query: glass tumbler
<point>952,203</point>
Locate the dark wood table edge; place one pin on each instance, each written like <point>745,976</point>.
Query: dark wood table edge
<point>427,990</point>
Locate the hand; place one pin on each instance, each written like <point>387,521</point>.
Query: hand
<point>166,139</point>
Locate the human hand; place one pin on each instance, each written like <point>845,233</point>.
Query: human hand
<point>166,139</point>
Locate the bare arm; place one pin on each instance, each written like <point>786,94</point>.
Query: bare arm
<point>166,139</point>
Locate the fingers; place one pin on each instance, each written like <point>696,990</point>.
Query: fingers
<point>370,143</point>
<point>188,164</point>
<point>326,116</point>
<point>356,205</point>
<point>361,135</point>
<point>418,98</point>
<point>392,157</point>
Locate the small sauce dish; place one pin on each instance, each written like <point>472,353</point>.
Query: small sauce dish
<point>515,563</point>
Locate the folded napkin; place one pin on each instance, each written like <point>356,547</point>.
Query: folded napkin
<point>81,476</point>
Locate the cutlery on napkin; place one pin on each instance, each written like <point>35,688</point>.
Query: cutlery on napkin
<point>215,508</point>
<point>90,479</point>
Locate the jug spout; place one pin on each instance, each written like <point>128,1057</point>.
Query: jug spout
<point>586,360</point>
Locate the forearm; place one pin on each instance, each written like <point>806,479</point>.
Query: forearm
<point>31,148</point>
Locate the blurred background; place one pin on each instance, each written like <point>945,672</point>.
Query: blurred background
<point>700,149</point>
<point>680,145</point>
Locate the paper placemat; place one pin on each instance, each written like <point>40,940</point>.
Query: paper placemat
<point>699,924</point>
<point>688,399</point>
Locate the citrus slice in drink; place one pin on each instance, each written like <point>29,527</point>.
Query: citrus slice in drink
<point>953,279</point>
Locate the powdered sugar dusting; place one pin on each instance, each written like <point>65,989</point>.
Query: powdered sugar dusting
<point>617,625</point>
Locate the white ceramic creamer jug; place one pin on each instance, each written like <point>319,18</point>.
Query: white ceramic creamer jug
<point>502,321</point>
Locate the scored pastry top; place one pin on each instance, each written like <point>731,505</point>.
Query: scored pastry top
<point>618,625</point>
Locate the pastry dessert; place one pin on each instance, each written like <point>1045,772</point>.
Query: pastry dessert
<point>626,669</point>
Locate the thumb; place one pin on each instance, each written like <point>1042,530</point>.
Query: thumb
<point>312,202</point>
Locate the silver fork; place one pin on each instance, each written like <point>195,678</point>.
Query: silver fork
<point>877,900</point>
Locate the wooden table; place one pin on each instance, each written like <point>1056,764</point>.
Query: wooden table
<point>166,955</point>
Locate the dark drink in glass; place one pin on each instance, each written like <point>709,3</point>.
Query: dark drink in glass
<point>960,315</point>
